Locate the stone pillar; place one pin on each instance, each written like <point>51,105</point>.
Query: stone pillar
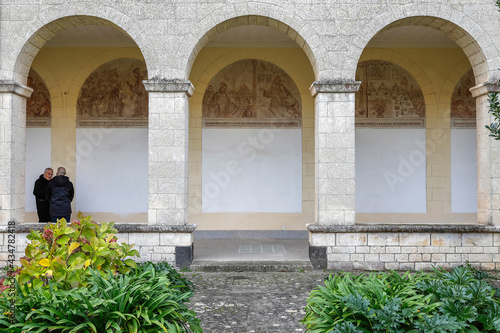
<point>334,160</point>
<point>168,163</point>
<point>12,150</point>
<point>488,158</point>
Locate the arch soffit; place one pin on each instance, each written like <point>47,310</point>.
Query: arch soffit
<point>305,37</point>
<point>474,41</point>
<point>409,65</point>
<point>53,23</point>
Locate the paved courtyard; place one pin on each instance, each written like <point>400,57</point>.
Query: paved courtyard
<point>241,302</point>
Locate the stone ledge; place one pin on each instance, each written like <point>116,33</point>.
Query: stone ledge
<point>121,227</point>
<point>415,228</point>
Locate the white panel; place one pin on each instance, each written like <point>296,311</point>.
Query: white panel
<point>390,171</point>
<point>463,171</point>
<point>38,157</point>
<point>111,170</point>
<point>252,170</point>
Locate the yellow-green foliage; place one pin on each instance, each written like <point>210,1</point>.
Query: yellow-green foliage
<point>64,252</point>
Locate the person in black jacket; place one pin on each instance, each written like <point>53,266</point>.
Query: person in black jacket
<point>42,205</point>
<point>60,193</point>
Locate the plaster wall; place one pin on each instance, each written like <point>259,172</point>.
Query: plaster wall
<point>437,70</point>
<point>98,156</point>
<point>38,152</point>
<point>300,154</point>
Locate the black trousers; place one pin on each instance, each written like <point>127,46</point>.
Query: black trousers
<point>42,209</point>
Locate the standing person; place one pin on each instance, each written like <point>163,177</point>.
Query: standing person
<point>42,205</point>
<point>60,193</point>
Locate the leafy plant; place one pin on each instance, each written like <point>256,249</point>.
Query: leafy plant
<point>460,300</point>
<point>65,252</point>
<point>140,301</point>
<point>176,279</point>
<point>375,302</point>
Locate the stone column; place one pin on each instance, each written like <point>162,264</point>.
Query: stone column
<point>334,160</point>
<point>488,158</point>
<point>12,150</point>
<point>168,164</point>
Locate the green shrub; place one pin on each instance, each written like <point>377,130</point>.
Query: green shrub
<point>456,301</point>
<point>65,252</point>
<point>176,279</point>
<point>140,301</point>
<point>375,302</point>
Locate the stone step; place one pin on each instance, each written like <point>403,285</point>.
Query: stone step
<point>251,266</point>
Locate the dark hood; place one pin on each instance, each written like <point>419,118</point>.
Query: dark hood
<point>60,181</point>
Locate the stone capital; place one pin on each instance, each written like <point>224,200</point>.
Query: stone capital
<point>334,86</point>
<point>164,85</point>
<point>15,88</point>
<point>484,89</point>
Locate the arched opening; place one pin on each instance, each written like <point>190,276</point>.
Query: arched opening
<point>97,127</point>
<point>267,194</point>
<point>436,163</point>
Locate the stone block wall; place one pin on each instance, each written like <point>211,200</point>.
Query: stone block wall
<point>415,247</point>
<point>172,244</point>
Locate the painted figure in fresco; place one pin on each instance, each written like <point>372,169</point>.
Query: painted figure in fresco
<point>243,107</point>
<point>38,104</point>
<point>220,105</point>
<point>282,103</point>
<point>139,94</point>
<point>207,98</point>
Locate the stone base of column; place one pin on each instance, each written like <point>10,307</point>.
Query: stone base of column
<point>184,256</point>
<point>317,256</point>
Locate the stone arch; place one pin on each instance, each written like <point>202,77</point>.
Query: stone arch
<point>305,38</point>
<point>464,31</point>
<point>38,38</point>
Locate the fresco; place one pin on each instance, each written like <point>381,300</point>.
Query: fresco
<point>255,92</point>
<point>463,105</point>
<point>114,95</point>
<point>38,105</point>
<point>388,92</point>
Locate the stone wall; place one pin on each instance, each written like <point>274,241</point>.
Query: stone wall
<point>410,247</point>
<point>172,244</point>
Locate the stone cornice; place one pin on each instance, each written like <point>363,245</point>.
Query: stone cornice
<point>484,89</point>
<point>15,88</point>
<point>121,227</point>
<point>336,86</point>
<point>409,228</point>
<point>163,85</point>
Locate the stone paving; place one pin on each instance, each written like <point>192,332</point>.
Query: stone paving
<point>240,302</point>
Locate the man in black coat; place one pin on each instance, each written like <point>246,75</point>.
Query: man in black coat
<point>60,193</point>
<point>42,205</point>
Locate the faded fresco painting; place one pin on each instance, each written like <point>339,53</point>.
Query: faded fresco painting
<point>251,93</point>
<point>114,95</point>
<point>38,105</point>
<point>389,96</point>
<point>463,105</point>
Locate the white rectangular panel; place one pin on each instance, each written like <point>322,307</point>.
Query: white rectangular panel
<point>252,170</point>
<point>463,171</point>
<point>390,171</point>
